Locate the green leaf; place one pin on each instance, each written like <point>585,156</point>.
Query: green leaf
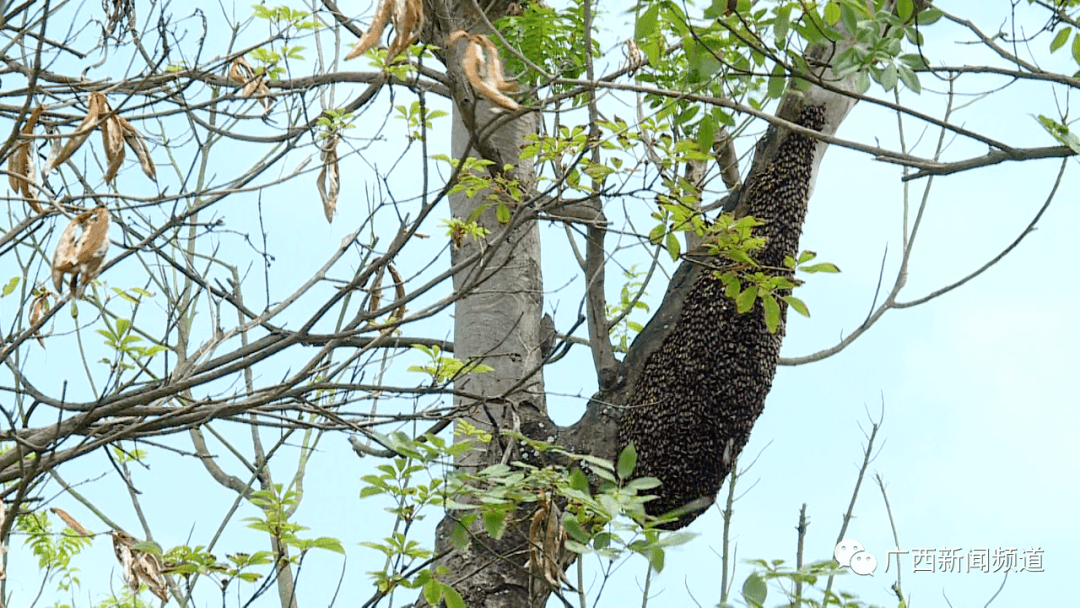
<point>574,529</point>
<point>1060,40</point>
<point>656,559</point>
<point>745,301</point>
<point>904,9</point>
<point>910,79</point>
<point>754,590</point>
<point>646,24</point>
<point>452,597</point>
<point>888,76</point>
<point>578,481</point>
<point>627,461</point>
<point>780,26</point>
<point>862,82</point>
<point>832,13</point>
<point>928,16</point>
<point>822,267</point>
<point>732,289</point>
<point>1060,132</point>
<point>772,313</point>
<point>671,243</point>
<point>122,326</point>
<point>459,537</point>
<point>601,541</point>
<point>11,285</point>
<point>706,133</point>
<point>433,592</point>
<point>149,546</point>
<point>1076,48</point>
<point>328,543</point>
<point>495,523</point>
<point>502,213</point>
<point>849,19</point>
<point>657,233</point>
<point>798,305</point>
<point>777,81</point>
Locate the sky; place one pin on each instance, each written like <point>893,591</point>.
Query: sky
<point>972,388</point>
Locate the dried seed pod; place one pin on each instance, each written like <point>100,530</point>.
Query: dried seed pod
<point>137,144</point>
<point>112,137</point>
<point>546,539</point>
<point>408,20</point>
<point>98,107</point>
<point>407,17</point>
<point>241,72</point>
<point>139,566</point>
<point>38,308</point>
<point>21,168</point>
<point>70,521</point>
<point>328,181</point>
<point>81,256</point>
<point>484,69</point>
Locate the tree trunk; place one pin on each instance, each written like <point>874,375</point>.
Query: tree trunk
<point>498,315</point>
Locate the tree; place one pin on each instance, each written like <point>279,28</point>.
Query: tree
<point>225,114</point>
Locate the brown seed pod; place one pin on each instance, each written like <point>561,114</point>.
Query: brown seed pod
<point>328,181</point>
<point>407,17</point>
<point>81,250</point>
<point>21,163</point>
<point>483,67</point>
<point>98,107</point>
<point>139,566</point>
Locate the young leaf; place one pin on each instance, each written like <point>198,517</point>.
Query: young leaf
<point>1060,40</point>
<point>627,461</point>
<point>772,313</point>
<point>798,305</point>
<point>459,537</point>
<point>11,285</point>
<point>745,301</point>
<point>754,590</point>
<point>822,267</point>
<point>495,523</point>
<point>433,592</point>
<point>832,13</point>
<point>452,597</point>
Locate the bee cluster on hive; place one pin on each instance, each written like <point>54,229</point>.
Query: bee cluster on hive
<point>692,408</point>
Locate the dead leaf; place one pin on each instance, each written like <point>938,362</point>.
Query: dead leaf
<point>546,538</point>
<point>241,72</point>
<point>329,182</point>
<point>484,69</point>
<point>98,107</point>
<point>139,566</point>
<point>112,137</point>
<point>21,166</point>
<point>407,17</point>
<point>137,144</point>
<point>38,308</point>
<point>70,521</point>
<point>371,37</point>
<point>634,58</point>
<point>399,291</point>
<point>83,256</point>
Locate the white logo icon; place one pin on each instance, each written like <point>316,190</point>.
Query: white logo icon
<point>850,553</point>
